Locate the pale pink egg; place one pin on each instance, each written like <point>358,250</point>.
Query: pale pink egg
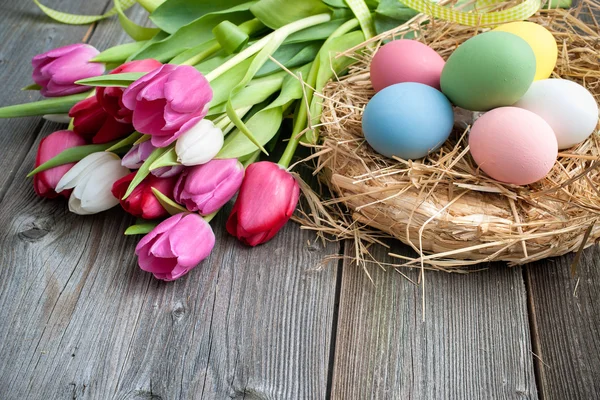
<point>513,145</point>
<point>406,61</point>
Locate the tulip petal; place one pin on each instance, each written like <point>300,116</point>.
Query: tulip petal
<point>164,226</point>
<point>74,175</point>
<point>191,252</point>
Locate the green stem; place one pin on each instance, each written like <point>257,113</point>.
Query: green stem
<point>207,52</point>
<point>257,46</point>
<point>301,118</point>
<point>58,105</point>
<point>209,217</point>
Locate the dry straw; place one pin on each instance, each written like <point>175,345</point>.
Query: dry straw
<point>446,209</point>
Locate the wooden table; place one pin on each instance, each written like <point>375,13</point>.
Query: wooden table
<point>79,319</point>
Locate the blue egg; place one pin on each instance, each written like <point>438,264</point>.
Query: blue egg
<point>407,120</point>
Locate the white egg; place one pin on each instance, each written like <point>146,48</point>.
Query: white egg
<point>569,108</point>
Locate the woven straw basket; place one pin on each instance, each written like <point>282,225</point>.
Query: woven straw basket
<point>450,212</point>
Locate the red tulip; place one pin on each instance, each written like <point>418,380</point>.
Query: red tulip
<point>44,183</point>
<point>92,123</point>
<point>111,98</point>
<point>142,202</point>
<point>266,201</point>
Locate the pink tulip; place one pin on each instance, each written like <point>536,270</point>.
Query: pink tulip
<point>206,188</point>
<point>56,71</point>
<point>44,183</point>
<point>167,102</point>
<point>111,97</point>
<point>175,246</point>
<point>167,172</point>
<point>266,201</point>
<point>94,124</point>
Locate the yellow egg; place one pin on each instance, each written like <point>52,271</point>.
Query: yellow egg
<point>541,41</point>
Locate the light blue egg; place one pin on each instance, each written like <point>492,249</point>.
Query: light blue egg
<point>407,120</point>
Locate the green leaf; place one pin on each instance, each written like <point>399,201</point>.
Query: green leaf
<point>74,19</point>
<point>256,92</point>
<point>291,56</point>
<point>558,4</point>
<point>58,105</point>
<point>265,124</point>
<point>174,14</point>
<point>119,80</point>
<point>144,170</point>
<point>391,14</point>
<point>201,51</point>
<point>33,86</point>
<point>128,141</point>
<point>120,53</point>
<point>317,32</point>
<point>277,13</point>
<point>224,84</point>
<point>168,204</point>
<point>135,31</point>
<point>363,15</point>
<point>142,139</point>
<point>73,154</point>
<point>291,88</point>
<point>141,229</point>
<point>168,159</point>
<point>230,37</point>
<point>190,35</point>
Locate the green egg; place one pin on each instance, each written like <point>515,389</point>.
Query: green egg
<point>492,69</point>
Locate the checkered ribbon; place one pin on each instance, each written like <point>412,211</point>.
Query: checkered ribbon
<point>517,13</point>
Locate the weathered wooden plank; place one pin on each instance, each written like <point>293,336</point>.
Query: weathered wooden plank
<point>25,32</point>
<point>565,312</point>
<point>474,343</point>
<point>82,321</point>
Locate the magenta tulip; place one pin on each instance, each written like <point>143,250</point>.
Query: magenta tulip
<point>266,201</point>
<point>175,246</point>
<point>44,183</point>
<point>111,98</point>
<point>56,71</point>
<point>206,188</point>
<point>167,102</point>
<point>167,172</point>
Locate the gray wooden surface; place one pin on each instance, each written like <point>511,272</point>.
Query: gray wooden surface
<point>80,320</point>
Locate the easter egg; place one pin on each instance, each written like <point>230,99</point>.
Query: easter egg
<point>407,120</point>
<point>569,108</point>
<point>513,145</point>
<point>405,61</point>
<point>541,41</point>
<point>490,70</point>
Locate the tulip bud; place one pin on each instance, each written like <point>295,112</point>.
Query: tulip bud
<point>167,172</point>
<point>266,201</point>
<point>56,71</point>
<point>136,156</point>
<point>167,102</point>
<point>92,123</point>
<point>199,144</point>
<point>44,183</point>
<point>92,179</point>
<point>111,98</point>
<point>141,202</point>
<point>206,188</point>
<point>175,246</point>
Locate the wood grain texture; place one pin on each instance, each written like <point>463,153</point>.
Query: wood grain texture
<point>474,343</point>
<point>25,32</point>
<point>81,320</point>
<point>566,314</point>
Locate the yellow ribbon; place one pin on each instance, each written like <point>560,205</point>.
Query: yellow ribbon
<point>517,13</point>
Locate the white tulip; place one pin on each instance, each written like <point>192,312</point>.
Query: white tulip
<point>200,144</point>
<point>91,180</point>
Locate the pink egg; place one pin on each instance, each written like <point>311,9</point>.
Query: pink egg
<point>513,145</point>
<point>406,61</point>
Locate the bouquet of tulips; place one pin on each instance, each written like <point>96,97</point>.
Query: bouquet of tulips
<point>175,129</point>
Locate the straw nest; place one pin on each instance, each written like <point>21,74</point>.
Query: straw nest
<point>446,209</point>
